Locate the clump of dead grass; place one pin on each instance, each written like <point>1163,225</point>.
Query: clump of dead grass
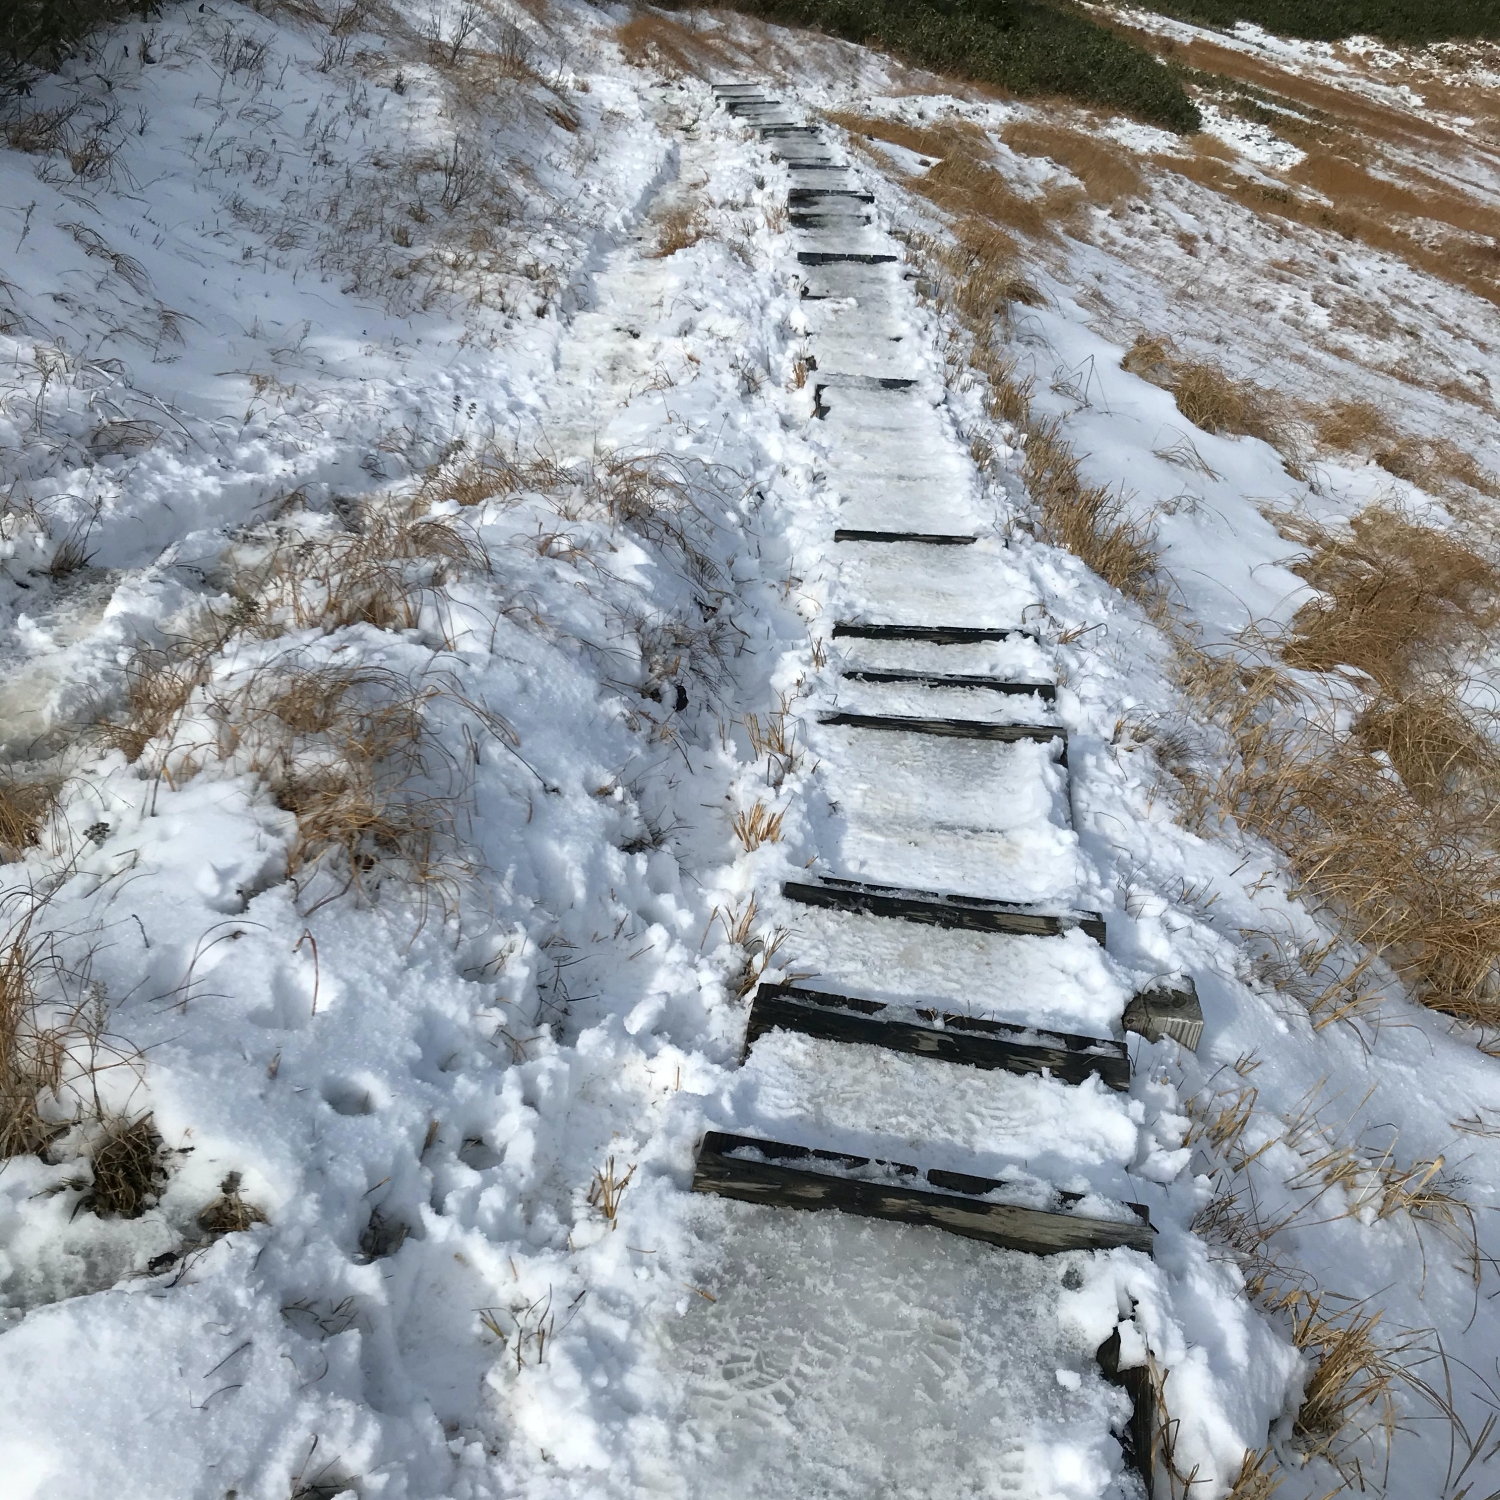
<point>229,1213</point>
<point>128,1169</point>
<point>1213,400</point>
<point>1091,521</point>
<point>678,228</point>
<point>26,802</point>
<point>1393,594</point>
<point>1107,171</point>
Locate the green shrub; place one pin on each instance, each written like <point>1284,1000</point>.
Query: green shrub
<point>36,35</point>
<point>1023,46</point>
<point>1328,20</point>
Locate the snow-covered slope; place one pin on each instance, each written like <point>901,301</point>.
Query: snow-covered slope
<point>416,582</point>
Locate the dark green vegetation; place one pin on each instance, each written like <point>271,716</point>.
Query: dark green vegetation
<point>1328,20</point>
<point>38,34</point>
<point>1022,46</point>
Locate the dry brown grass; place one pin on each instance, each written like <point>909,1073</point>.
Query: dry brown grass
<point>678,228</point>
<point>1257,1478</point>
<point>1107,171</point>
<point>1349,1393</point>
<point>26,802</point>
<point>1391,592</point>
<point>1091,521</point>
<point>652,40</point>
<point>32,1051</point>
<point>128,1169</point>
<point>1351,425</point>
<point>1437,465</point>
<point>229,1213</point>
<point>758,826</point>
<point>1209,398</point>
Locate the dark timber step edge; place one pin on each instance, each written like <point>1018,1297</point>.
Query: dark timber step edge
<point>788,1178</point>
<point>843,380</point>
<point>953,729</point>
<point>966,1040</point>
<point>785,130</point>
<point>1139,1437</point>
<point>927,538</point>
<point>938,909</point>
<point>843,258</point>
<point>826,221</point>
<point>806,195</point>
<point>1167,1008</point>
<point>1046,691</point>
<point>934,635</point>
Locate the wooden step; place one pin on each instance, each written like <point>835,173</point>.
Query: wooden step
<point>826,221</point>
<point>806,195</point>
<point>942,909</point>
<point>945,1037</point>
<point>934,635</point>
<point>836,380</point>
<point>787,1176</point>
<point>789,130</point>
<point>954,729</point>
<point>925,538</point>
<point>844,258</point>
<point>1046,691</point>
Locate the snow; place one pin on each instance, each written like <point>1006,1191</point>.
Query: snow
<point>429,1092</point>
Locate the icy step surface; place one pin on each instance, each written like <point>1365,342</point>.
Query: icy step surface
<point>872,1102</point>
<point>1063,981</point>
<point>845,1358</point>
<point>1017,658</point>
<point>916,585</point>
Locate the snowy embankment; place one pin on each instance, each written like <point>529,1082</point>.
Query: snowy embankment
<point>417,523</point>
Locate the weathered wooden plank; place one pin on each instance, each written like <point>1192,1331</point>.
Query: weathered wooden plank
<point>926,538</point>
<point>954,729</point>
<point>838,380</point>
<point>966,1040</point>
<point>844,258</point>
<point>941,909</point>
<point>786,1176</point>
<point>1046,691</point>
<point>807,195</point>
<point>826,221</point>
<point>1139,1438</point>
<point>790,130</point>
<point>934,635</point>
<point>1167,1008</point>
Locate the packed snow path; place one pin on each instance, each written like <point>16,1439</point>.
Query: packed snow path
<point>940,922</point>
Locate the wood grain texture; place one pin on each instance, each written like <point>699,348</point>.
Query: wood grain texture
<point>965,1040</point>
<point>925,538</point>
<point>786,1176</point>
<point>954,729</point>
<point>937,909</point>
<point>935,635</point>
<point>1046,691</point>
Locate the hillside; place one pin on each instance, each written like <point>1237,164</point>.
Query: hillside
<point>604,612</point>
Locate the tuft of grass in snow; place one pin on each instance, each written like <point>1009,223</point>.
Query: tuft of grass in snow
<point>1091,521</point>
<point>26,802</point>
<point>33,1043</point>
<point>1107,171</point>
<point>1211,399</point>
<point>607,1189</point>
<point>127,1169</point>
<point>758,826</point>
<point>678,228</point>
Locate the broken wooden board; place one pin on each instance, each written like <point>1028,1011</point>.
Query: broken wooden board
<point>786,1176</point>
<point>1140,1435</point>
<point>925,538</point>
<point>1168,1008</point>
<point>1046,691</point>
<point>954,729</point>
<point>844,257</point>
<point>966,1040</point>
<point>933,635</point>
<point>941,909</point>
